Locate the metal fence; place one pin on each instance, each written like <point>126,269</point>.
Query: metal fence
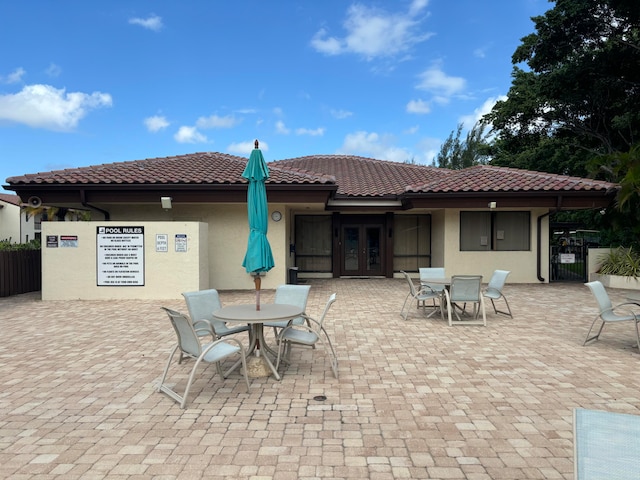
<point>20,272</point>
<point>569,264</point>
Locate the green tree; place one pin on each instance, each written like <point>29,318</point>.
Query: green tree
<point>457,154</point>
<point>580,95</point>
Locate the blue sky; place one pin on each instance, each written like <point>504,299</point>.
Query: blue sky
<point>92,82</point>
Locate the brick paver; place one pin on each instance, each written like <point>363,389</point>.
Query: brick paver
<point>415,399</point>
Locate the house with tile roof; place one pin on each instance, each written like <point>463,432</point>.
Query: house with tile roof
<point>335,215</point>
<point>16,225</point>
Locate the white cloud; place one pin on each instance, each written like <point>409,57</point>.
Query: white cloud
<point>187,134</point>
<point>53,70</point>
<point>13,77</point>
<point>373,32</point>
<point>318,132</point>
<point>156,123</point>
<point>281,128</point>
<point>418,106</point>
<point>214,121</point>
<point>328,46</point>
<point>341,114</point>
<point>435,81</point>
<point>412,130</point>
<point>428,148</point>
<point>470,120</point>
<point>245,148</point>
<point>43,106</point>
<point>371,144</point>
<point>480,53</point>
<point>153,22</point>
<point>417,6</point>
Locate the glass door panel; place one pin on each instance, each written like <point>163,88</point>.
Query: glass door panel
<point>362,250</point>
<point>351,250</point>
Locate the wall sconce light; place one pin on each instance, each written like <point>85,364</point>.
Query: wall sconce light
<point>493,205</point>
<point>166,202</point>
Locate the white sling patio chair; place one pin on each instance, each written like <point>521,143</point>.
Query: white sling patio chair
<point>432,273</point>
<point>610,314</point>
<point>292,295</point>
<point>308,334</point>
<point>494,290</point>
<point>466,289</point>
<point>421,296</point>
<point>189,346</point>
<point>201,305</point>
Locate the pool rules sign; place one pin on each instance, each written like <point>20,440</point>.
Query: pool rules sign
<point>120,252</point>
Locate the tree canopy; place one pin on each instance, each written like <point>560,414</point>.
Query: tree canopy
<point>457,154</point>
<point>578,97</point>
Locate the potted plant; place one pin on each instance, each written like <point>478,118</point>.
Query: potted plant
<point>620,268</point>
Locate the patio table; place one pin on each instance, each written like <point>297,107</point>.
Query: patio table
<point>247,314</point>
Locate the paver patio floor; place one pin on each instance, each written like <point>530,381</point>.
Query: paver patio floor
<point>415,398</point>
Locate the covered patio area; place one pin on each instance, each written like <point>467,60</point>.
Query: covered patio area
<point>415,398</point>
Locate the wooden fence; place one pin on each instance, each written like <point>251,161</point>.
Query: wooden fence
<point>20,272</point>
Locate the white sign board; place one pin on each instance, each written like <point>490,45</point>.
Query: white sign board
<point>567,258</point>
<point>120,252</point>
<point>181,242</point>
<point>162,242</point>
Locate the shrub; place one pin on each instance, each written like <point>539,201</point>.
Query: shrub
<point>621,261</point>
<point>7,246</point>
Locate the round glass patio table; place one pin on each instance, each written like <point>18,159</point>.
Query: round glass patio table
<point>247,314</point>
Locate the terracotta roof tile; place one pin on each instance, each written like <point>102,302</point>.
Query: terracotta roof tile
<point>195,168</point>
<point>355,176</point>
<point>486,178</point>
<point>9,198</point>
<point>360,176</point>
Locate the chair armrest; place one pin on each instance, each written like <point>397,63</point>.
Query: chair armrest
<point>204,325</point>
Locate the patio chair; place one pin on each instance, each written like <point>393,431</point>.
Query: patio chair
<point>307,334</point>
<point>421,296</point>
<point>494,290</point>
<point>291,295</point>
<point>610,314</point>
<point>465,289</point>
<point>189,346</point>
<point>201,305</point>
<point>439,273</point>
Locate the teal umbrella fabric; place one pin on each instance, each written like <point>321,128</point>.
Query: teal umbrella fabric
<point>258,258</point>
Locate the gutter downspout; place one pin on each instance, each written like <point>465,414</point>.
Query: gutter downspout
<point>539,253</point>
<point>83,201</point>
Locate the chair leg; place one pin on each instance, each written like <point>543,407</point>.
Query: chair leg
<point>595,337</point>
<point>495,309</point>
<point>333,358</point>
<point>402,314</point>
<point>166,368</point>
<point>243,357</point>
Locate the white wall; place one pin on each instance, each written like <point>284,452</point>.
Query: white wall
<point>10,222</point>
<point>71,272</point>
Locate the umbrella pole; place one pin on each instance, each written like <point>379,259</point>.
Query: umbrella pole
<point>257,281</point>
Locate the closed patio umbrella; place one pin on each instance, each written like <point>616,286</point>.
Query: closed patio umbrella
<point>258,258</point>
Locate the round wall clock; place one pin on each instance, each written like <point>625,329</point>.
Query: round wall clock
<point>276,216</point>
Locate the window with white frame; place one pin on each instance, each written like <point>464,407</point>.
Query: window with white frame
<point>501,231</point>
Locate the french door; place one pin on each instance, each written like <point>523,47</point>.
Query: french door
<point>362,250</point>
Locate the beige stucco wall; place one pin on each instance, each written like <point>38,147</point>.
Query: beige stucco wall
<point>71,272</point>
<point>522,265</point>
<point>437,238</point>
<point>228,232</point>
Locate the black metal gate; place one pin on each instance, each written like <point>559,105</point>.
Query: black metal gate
<point>568,263</point>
